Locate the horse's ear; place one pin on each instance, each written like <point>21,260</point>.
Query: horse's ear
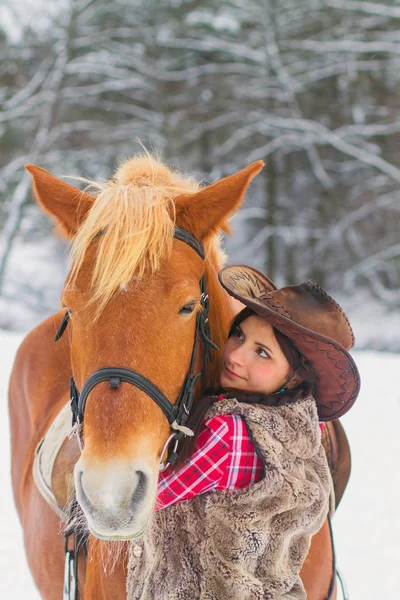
<point>205,211</point>
<point>64,202</point>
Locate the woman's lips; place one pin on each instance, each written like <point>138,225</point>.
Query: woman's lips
<point>231,374</point>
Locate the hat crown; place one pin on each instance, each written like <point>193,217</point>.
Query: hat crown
<point>308,305</point>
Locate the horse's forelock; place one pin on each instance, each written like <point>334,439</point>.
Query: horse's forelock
<point>132,220</point>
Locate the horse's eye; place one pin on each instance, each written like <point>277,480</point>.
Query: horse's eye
<point>187,309</point>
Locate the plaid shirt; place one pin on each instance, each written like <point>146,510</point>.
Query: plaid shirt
<point>224,459</point>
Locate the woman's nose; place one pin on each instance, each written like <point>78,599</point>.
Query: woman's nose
<point>237,356</point>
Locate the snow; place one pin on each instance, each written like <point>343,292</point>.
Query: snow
<point>376,326</point>
<point>35,275</point>
<point>35,14</point>
<point>366,526</point>
<point>220,21</point>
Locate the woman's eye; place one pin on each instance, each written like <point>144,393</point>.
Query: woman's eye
<point>261,352</point>
<point>238,333</point>
<point>187,309</point>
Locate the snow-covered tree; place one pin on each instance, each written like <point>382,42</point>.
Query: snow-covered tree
<point>310,86</point>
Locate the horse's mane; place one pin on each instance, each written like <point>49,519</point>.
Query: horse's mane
<point>221,310</point>
<point>132,221</point>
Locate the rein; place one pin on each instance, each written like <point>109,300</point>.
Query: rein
<point>177,413</point>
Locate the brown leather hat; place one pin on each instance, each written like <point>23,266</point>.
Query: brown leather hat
<point>315,324</point>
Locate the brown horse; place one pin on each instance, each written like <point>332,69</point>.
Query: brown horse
<point>132,296</point>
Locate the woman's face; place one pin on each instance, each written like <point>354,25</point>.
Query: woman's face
<point>252,360</point>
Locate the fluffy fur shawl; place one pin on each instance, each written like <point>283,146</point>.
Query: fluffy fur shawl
<point>248,544</point>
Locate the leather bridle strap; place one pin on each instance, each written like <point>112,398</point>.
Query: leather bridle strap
<point>190,240</point>
<point>179,234</point>
<point>177,414</point>
<point>115,375</point>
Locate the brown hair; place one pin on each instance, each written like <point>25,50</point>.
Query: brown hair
<point>297,362</point>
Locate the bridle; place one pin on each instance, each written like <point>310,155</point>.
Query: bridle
<point>177,413</point>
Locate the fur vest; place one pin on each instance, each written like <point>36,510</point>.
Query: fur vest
<point>247,544</point>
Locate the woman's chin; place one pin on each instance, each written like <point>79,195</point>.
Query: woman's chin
<point>230,386</point>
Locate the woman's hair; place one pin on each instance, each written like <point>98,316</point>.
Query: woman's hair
<point>296,361</point>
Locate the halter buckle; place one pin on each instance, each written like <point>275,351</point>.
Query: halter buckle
<point>114,382</point>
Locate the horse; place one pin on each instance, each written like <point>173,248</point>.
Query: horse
<point>132,296</point>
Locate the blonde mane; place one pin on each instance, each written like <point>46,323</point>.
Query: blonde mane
<point>132,220</point>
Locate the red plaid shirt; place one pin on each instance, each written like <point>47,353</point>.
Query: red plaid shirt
<point>224,459</point>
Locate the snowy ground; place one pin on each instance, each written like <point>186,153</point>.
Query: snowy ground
<point>367,525</point>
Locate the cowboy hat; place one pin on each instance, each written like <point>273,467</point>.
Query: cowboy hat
<point>315,324</point>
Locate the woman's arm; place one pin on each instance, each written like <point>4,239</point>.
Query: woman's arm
<point>224,458</point>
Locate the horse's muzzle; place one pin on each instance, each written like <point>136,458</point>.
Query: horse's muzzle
<point>116,499</point>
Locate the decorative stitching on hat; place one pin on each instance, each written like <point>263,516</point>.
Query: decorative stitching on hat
<point>342,375</point>
<point>277,307</point>
<point>232,279</point>
<point>264,293</point>
<point>319,290</point>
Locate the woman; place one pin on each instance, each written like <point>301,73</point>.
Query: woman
<point>258,450</point>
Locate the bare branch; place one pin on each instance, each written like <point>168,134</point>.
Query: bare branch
<point>373,8</point>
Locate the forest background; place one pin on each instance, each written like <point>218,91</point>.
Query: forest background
<point>309,86</point>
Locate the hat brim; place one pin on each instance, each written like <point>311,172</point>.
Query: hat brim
<point>338,377</point>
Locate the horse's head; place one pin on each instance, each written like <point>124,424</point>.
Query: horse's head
<point>133,294</point>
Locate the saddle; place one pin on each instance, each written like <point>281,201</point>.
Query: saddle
<point>58,453</point>
<point>337,450</point>
<point>54,463</point>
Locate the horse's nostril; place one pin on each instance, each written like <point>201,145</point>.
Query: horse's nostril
<point>80,486</point>
<point>142,483</point>
<point>79,476</point>
<point>81,494</point>
<point>140,490</point>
